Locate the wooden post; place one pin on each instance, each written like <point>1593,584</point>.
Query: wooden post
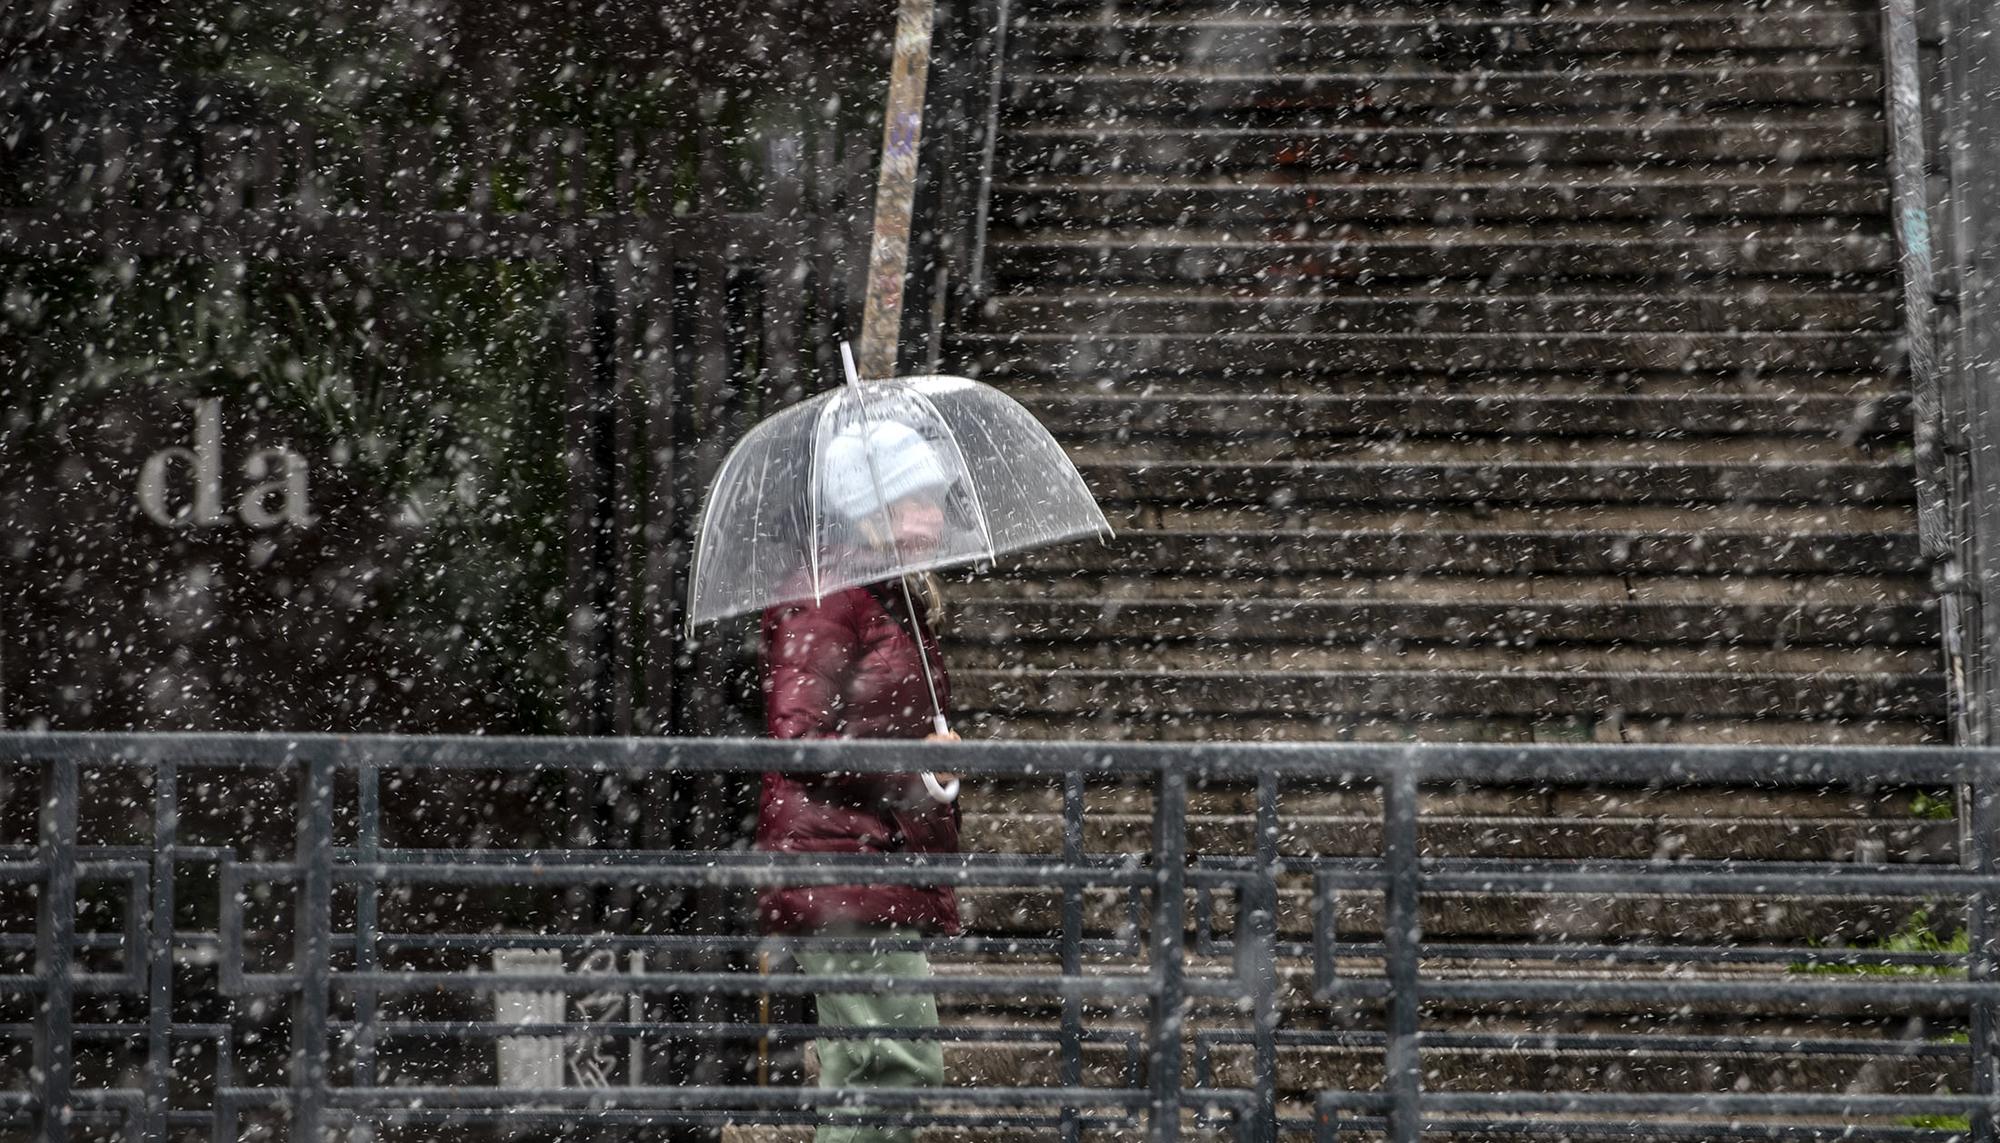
<point>895,187</point>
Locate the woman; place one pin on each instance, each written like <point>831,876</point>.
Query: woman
<point>852,665</point>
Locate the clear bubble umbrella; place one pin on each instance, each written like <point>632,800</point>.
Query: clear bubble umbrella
<point>881,479</point>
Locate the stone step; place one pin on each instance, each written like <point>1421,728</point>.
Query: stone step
<point>1683,84</point>
<point>1547,12</point>
<point>1449,307</point>
<point>991,828</point>
<point>1460,545</point>
<point>1889,807</point>
<point>1280,142</point>
<point>1514,727</point>
<point>1306,1070</point>
<point>1279,586</point>
<point>1750,449</point>
<point>1267,36</point>
<point>1088,694</point>
<point>1134,257</point>
<point>1287,483</point>
<point>1303,384</point>
<point>792,1133</point>
<point>1182,415</point>
<point>1718,192</point>
<point>1140,656</point>
<point>1735,920</point>
<point>1110,356</point>
<point>1462,622</point>
<point>1781,962</point>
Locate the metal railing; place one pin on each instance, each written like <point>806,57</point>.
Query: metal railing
<point>185,975</point>
<point>948,278</point>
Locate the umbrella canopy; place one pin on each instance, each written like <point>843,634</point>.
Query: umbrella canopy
<point>878,479</point>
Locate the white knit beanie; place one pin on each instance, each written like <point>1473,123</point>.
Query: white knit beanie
<point>905,464</point>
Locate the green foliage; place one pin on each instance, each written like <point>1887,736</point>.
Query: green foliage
<point>1916,936</point>
<point>1933,805</point>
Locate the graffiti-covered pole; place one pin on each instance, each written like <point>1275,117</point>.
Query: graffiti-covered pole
<point>895,188</point>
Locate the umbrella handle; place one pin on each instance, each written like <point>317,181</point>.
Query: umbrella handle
<point>942,792</point>
<point>847,365</point>
<point>924,658</point>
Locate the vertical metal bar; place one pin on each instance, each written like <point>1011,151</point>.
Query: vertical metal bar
<point>715,417</point>
<point>367,903</point>
<point>1402,941</point>
<point>938,200</point>
<point>1257,958</point>
<point>829,199</point>
<point>710,417</point>
<point>583,571</point>
<point>1974,102</point>
<point>160,951</point>
<point>1169,949</point>
<point>653,319</point>
<point>651,311</point>
<point>55,952</point>
<point>854,157</point>
<point>1981,854</point>
<point>1072,950</point>
<point>586,574</point>
<point>1910,191</point>
<point>626,413</point>
<point>975,283</point>
<point>312,945</point>
<point>1909,172</point>
<point>786,267</point>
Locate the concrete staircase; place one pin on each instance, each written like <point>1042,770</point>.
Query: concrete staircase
<point>1472,369</point>
<point>1468,370</point>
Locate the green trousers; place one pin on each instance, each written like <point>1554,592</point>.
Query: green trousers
<point>874,1062</point>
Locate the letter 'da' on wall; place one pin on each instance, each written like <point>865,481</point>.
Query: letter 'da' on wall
<point>274,481</point>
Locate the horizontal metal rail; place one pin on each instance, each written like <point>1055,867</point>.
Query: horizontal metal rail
<point>249,990</point>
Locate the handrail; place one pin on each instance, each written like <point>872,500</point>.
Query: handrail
<point>944,141</point>
<point>1203,931</point>
<point>974,285</point>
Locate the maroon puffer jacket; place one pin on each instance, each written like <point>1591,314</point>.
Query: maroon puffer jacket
<point>847,667</point>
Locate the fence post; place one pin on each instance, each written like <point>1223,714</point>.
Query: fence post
<point>160,950</point>
<point>973,285</point>
<point>1402,942</point>
<point>1973,152</point>
<point>1909,180</point>
<point>1169,924</point>
<point>1257,958</point>
<point>367,905</point>
<point>1983,841</point>
<point>1072,950</point>
<point>312,944</point>
<point>55,951</point>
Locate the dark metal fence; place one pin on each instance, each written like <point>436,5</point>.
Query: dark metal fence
<point>263,936</point>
